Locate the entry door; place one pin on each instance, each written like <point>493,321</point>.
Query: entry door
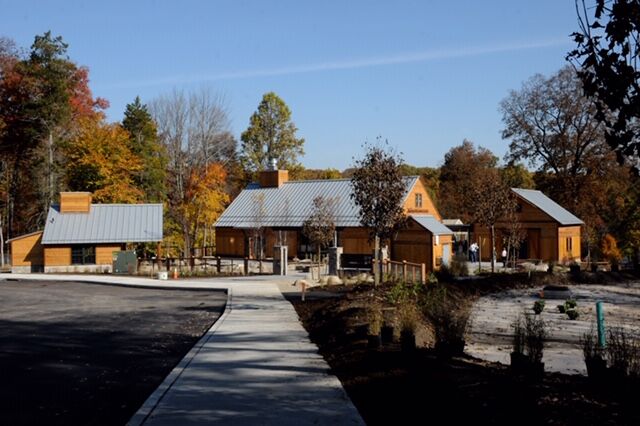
<point>446,254</point>
<point>533,237</point>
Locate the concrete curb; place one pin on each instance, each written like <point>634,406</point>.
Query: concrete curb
<point>147,408</point>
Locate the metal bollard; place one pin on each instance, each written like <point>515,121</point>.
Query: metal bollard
<point>602,338</point>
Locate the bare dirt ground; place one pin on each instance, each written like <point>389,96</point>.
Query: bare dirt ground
<point>74,353</point>
<point>391,387</point>
<point>490,333</point>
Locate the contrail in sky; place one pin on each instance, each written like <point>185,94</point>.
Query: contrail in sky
<point>402,58</point>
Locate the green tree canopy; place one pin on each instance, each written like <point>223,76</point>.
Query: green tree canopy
<point>608,58</point>
<point>145,144</point>
<point>271,135</point>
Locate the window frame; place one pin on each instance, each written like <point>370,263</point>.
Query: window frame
<point>83,254</point>
<point>418,200</point>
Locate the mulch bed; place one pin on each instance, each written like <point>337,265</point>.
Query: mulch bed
<point>391,387</point>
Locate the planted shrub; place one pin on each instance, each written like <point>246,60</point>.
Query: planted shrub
<point>374,322</point>
<point>408,319</point>
<point>561,309</point>
<point>538,306</point>
<point>535,337</point>
<point>570,304</point>
<point>449,320</point>
<point>529,335</point>
<point>374,326</point>
<point>518,358</point>
<point>459,267</point>
<point>572,314</point>
<point>403,292</point>
<point>593,355</point>
<point>623,352</point>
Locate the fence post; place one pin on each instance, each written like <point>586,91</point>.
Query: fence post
<point>413,274</point>
<point>218,264</point>
<point>404,271</point>
<point>423,274</point>
<point>246,266</point>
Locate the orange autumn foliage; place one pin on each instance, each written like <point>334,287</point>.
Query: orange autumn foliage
<point>205,198</point>
<point>100,161</point>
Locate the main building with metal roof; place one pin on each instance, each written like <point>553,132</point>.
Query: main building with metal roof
<point>272,212</point>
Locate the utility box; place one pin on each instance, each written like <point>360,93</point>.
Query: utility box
<point>280,254</point>
<point>125,262</point>
<point>335,253</point>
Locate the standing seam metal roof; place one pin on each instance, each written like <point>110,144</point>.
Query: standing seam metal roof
<point>431,224</point>
<point>292,203</point>
<point>105,223</point>
<point>547,205</point>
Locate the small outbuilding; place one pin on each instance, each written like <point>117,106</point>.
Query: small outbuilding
<point>551,232</point>
<point>83,237</point>
<point>424,239</point>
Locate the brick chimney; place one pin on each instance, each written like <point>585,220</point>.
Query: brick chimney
<point>272,177</point>
<point>75,202</point>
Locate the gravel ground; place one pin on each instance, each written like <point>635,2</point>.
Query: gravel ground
<point>76,353</point>
<point>490,332</point>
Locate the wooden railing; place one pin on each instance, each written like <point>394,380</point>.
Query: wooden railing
<point>406,271</point>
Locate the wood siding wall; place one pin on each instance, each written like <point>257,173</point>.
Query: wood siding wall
<point>57,255</point>
<point>541,240</point>
<point>60,255</point>
<point>272,237</point>
<point>75,202</point>
<point>356,241</point>
<point>27,250</point>
<point>568,254</point>
<point>428,207</point>
<point>413,244</point>
<point>438,249</point>
<point>104,253</point>
<point>230,242</point>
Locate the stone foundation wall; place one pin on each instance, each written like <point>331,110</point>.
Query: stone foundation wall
<point>79,269</point>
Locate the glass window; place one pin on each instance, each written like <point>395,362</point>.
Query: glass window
<point>418,200</point>
<point>569,244</point>
<point>83,255</point>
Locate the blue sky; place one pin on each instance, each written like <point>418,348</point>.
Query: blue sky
<point>422,74</point>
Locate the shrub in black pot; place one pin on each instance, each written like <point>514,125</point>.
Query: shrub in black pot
<point>408,326</point>
<point>374,339</point>
<point>528,345</point>
<point>593,356</point>
<point>387,334</point>
<point>407,341</point>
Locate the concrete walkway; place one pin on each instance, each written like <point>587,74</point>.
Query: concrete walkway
<point>256,365</point>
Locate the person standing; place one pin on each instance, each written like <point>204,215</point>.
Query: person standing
<point>504,257</point>
<point>474,252</point>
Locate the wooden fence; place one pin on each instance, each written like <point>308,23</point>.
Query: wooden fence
<point>406,271</point>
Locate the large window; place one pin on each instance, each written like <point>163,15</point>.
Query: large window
<point>418,200</point>
<point>83,255</point>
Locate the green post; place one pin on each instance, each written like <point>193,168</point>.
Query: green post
<point>602,341</point>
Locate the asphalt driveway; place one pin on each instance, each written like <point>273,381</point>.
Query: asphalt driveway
<point>77,353</point>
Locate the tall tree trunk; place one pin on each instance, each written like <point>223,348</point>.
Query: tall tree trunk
<point>319,254</point>
<point>493,249</point>
<point>378,262</point>
<point>1,244</point>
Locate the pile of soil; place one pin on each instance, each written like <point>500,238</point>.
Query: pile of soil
<point>391,387</point>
